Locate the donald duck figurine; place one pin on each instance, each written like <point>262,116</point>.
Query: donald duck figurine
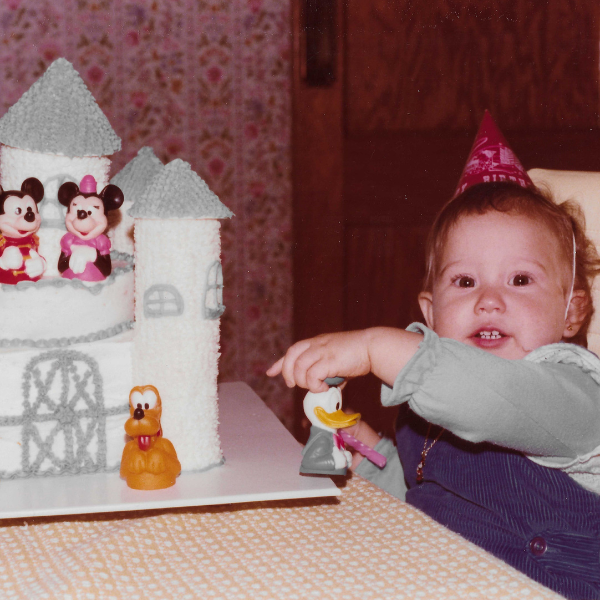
<point>325,452</point>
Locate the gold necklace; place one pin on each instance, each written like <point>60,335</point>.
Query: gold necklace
<point>425,452</point>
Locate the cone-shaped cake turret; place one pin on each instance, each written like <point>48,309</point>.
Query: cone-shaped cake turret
<point>58,115</point>
<point>178,192</point>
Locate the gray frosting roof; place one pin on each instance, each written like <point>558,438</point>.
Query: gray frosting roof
<point>177,192</point>
<point>58,115</point>
<point>137,174</point>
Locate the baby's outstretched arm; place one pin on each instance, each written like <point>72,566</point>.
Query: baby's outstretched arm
<point>382,351</point>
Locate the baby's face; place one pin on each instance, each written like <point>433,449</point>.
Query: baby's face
<point>502,287</point>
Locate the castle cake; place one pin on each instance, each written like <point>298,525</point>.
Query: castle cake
<point>72,348</point>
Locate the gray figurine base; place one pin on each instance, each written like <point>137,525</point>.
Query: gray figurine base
<point>322,471</point>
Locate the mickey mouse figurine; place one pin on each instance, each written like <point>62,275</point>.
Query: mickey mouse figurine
<point>85,250</point>
<point>19,222</point>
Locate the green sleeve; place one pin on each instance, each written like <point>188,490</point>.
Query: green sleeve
<point>391,477</point>
<point>549,408</point>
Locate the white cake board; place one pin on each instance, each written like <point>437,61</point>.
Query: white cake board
<point>262,460</point>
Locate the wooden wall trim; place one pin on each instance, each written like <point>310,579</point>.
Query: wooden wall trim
<point>317,163</point>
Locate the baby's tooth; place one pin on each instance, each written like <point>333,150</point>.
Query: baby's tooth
<point>490,335</point>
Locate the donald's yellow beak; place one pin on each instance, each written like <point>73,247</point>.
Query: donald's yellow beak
<point>338,419</point>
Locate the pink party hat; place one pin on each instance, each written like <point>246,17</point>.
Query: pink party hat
<point>491,159</point>
<point>88,185</point>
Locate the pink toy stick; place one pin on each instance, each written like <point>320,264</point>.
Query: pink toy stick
<point>374,457</point>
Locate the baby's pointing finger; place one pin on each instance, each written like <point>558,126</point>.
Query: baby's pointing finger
<point>275,368</point>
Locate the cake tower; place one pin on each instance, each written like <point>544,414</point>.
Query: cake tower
<point>70,351</point>
<point>178,302</point>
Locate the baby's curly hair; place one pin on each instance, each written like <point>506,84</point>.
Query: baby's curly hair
<point>565,220</point>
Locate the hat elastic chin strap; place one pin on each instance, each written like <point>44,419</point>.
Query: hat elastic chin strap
<point>573,279</point>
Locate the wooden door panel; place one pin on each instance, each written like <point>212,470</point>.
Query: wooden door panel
<point>438,64</point>
<point>405,178</point>
<point>384,271</point>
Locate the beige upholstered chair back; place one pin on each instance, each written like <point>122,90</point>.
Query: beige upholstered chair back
<point>584,188</point>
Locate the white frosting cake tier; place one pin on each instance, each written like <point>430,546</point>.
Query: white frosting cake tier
<point>73,311</point>
<point>63,410</point>
<point>51,170</point>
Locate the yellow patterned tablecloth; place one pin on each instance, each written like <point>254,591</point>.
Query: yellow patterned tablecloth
<point>366,544</point>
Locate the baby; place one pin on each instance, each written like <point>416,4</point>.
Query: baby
<point>498,434</point>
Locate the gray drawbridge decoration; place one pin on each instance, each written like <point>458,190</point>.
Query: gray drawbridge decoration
<point>64,416</point>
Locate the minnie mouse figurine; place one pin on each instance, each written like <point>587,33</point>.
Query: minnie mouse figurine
<point>85,250</point>
<point>19,222</point>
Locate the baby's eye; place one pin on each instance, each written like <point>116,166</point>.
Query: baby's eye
<point>464,281</point>
<point>520,279</point>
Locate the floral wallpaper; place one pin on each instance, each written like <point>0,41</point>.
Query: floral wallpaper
<point>207,81</point>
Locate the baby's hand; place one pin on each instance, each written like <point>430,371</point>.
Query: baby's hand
<point>309,362</point>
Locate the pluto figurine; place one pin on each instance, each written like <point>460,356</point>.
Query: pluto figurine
<point>149,461</point>
<point>325,452</point>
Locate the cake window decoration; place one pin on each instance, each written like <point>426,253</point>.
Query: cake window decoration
<point>162,300</point>
<point>149,461</point>
<point>19,222</point>
<point>85,250</point>
<point>213,297</point>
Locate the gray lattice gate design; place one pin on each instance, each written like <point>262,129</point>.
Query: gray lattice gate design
<point>64,416</point>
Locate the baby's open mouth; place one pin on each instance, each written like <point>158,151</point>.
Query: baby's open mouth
<point>494,334</point>
<point>489,338</point>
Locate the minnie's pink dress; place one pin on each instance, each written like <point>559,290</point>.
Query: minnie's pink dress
<point>91,273</point>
